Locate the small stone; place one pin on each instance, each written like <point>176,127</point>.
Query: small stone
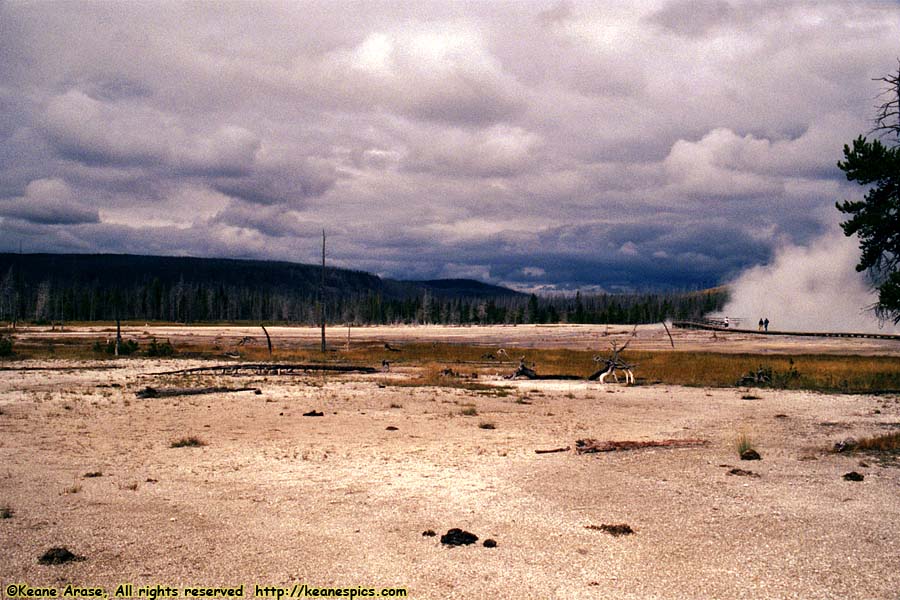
<point>390,428</point>
<point>58,556</point>
<point>845,445</point>
<point>750,454</point>
<point>429,533</point>
<point>853,476</point>
<point>314,413</point>
<point>489,543</point>
<point>743,473</point>
<point>613,530</point>
<point>458,537</point>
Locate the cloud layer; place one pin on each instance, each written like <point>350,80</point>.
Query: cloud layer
<point>559,145</point>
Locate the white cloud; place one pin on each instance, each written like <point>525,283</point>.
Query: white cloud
<point>49,202</point>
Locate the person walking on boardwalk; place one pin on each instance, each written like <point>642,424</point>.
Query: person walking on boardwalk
<point>760,324</point>
<point>766,324</point>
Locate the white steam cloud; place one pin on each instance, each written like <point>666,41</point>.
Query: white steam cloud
<point>813,288</point>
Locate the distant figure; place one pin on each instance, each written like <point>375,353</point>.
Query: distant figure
<point>761,323</point>
<point>726,321</point>
<point>766,323</point>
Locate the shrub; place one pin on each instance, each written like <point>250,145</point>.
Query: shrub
<point>6,346</point>
<point>157,349</point>
<point>766,376</point>
<point>126,348</point>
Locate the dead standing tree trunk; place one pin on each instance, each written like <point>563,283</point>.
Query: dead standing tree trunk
<point>268,339</point>
<point>322,294</point>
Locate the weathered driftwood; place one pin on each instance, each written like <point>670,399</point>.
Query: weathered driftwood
<point>588,446</point>
<point>150,392</point>
<point>271,369</point>
<point>525,372</point>
<point>612,363</point>
<point>552,450</point>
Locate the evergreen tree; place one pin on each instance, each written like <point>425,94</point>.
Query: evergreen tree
<point>876,218</point>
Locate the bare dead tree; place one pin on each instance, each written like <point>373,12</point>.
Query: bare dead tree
<point>614,362</point>
<point>671,341</point>
<point>268,339</point>
<point>887,118</point>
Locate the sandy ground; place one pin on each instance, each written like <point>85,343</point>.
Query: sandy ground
<point>276,498</point>
<point>577,337</point>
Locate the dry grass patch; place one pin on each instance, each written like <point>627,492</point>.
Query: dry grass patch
<point>888,442</point>
<point>863,374</point>
<point>189,442</point>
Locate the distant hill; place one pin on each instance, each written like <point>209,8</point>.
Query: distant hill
<point>100,287</point>
<point>127,269</point>
<point>87,286</point>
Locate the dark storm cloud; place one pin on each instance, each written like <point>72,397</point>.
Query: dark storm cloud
<point>542,144</point>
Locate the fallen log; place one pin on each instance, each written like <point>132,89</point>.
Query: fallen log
<point>589,446</point>
<point>150,392</point>
<point>552,450</point>
<point>523,371</point>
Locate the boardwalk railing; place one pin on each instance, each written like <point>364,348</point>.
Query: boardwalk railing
<point>717,326</point>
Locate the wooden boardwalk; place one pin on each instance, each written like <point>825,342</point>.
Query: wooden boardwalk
<point>830,334</point>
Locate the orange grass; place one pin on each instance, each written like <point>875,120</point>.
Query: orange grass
<point>855,374</point>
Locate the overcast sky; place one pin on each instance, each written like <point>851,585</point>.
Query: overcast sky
<point>598,145</point>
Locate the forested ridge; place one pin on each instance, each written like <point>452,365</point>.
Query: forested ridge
<point>46,288</point>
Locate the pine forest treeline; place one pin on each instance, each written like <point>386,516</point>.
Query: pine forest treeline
<point>187,291</point>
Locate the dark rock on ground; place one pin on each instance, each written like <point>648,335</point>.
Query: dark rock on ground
<point>614,530</point>
<point>314,413</point>
<point>390,428</point>
<point>58,556</point>
<point>853,476</point>
<point>489,543</point>
<point>743,473</point>
<point>429,533</point>
<point>750,454</point>
<point>458,537</point>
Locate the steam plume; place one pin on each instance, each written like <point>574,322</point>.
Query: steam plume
<point>814,288</point>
